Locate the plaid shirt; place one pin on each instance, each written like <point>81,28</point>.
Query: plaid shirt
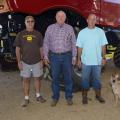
<point>59,39</point>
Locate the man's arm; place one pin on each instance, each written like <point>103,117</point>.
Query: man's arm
<point>46,45</point>
<point>79,45</point>
<point>74,50</point>
<point>41,53</point>
<point>18,56</point>
<point>103,55</point>
<point>79,53</point>
<point>103,44</point>
<point>103,51</point>
<point>79,57</point>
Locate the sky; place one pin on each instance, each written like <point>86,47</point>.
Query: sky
<point>113,1</point>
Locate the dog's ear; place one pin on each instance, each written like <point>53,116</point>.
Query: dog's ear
<point>118,78</point>
<point>113,75</point>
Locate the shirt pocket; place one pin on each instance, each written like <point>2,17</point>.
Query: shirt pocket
<point>68,37</point>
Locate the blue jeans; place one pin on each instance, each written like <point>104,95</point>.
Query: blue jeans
<point>61,64</point>
<point>93,73</point>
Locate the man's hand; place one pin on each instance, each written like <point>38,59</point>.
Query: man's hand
<point>74,61</point>
<point>46,62</point>
<point>103,61</point>
<point>79,64</point>
<point>41,64</point>
<point>20,65</point>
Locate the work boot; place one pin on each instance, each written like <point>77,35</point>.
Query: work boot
<point>69,101</point>
<point>98,96</point>
<point>84,97</point>
<point>54,103</point>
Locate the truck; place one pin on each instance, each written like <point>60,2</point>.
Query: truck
<point>13,12</point>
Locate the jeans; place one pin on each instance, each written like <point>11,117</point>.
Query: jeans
<point>91,73</point>
<point>61,63</point>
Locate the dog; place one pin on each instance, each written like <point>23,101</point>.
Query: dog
<point>115,83</point>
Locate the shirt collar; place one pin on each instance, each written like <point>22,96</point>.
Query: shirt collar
<point>60,25</point>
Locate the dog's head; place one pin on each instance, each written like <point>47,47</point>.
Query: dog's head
<point>115,79</point>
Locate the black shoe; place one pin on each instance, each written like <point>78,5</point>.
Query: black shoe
<point>100,99</point>
<point>25,103</point>
<point>69,102</point>
<point>40,99</point>
<point>85,100</point>
<point>54,103</point>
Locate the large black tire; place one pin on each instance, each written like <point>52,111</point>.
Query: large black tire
<point>116,57</point>
<point>76,77</point>
<point>112,38</point>
<point>7,65</point>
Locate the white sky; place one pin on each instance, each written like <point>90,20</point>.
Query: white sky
<point>113,1</point>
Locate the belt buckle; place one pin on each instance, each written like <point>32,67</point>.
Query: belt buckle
<point>59,53</point>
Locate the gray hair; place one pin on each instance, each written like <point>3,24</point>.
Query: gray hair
<point>29,16</point>
<point>61,11</point>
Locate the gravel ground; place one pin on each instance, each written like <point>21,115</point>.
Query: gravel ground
<point>11,97</point>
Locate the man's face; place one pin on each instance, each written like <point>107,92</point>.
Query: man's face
<point>29,23</point>
<point>91,20</point>
<point>60,17</point>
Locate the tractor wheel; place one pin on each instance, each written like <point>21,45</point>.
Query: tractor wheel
<point>76,77</point>
<point>116,57</point>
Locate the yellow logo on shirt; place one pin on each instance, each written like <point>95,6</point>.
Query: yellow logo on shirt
<point>29,38</point>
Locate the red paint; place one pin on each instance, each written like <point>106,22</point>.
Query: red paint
<point>107,11</point>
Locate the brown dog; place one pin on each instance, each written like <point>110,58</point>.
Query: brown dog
<point>115,82</point>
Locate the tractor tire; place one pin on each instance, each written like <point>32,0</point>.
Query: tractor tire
<point>116,57</point>
<point>7,66</point>
<point>76,77</point>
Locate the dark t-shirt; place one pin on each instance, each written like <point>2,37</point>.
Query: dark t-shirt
<point>29,43</point>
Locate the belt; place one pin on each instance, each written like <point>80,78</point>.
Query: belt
<point>60,53</point>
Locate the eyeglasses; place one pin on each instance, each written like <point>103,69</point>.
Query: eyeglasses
<point>30,21</point>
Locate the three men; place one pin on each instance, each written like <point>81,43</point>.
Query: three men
<point>60,51</point>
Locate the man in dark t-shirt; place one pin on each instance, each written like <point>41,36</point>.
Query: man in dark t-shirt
<point>29,55</point>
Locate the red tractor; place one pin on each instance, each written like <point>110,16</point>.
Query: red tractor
<point>13,12</point>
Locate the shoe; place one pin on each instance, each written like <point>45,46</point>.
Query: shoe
<point>98,96</point>
<point>85,100</point>
<point>69,102</point>
<point>54,103</point>
<point>100,99</point>
<point>25,103</point>
<point>84,96</point>
<point>40,99</point>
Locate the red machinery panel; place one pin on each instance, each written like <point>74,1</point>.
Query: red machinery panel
<point>107,11</point>
<point>110,12</point>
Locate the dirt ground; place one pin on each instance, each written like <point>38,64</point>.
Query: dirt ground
<point>11,97</point>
